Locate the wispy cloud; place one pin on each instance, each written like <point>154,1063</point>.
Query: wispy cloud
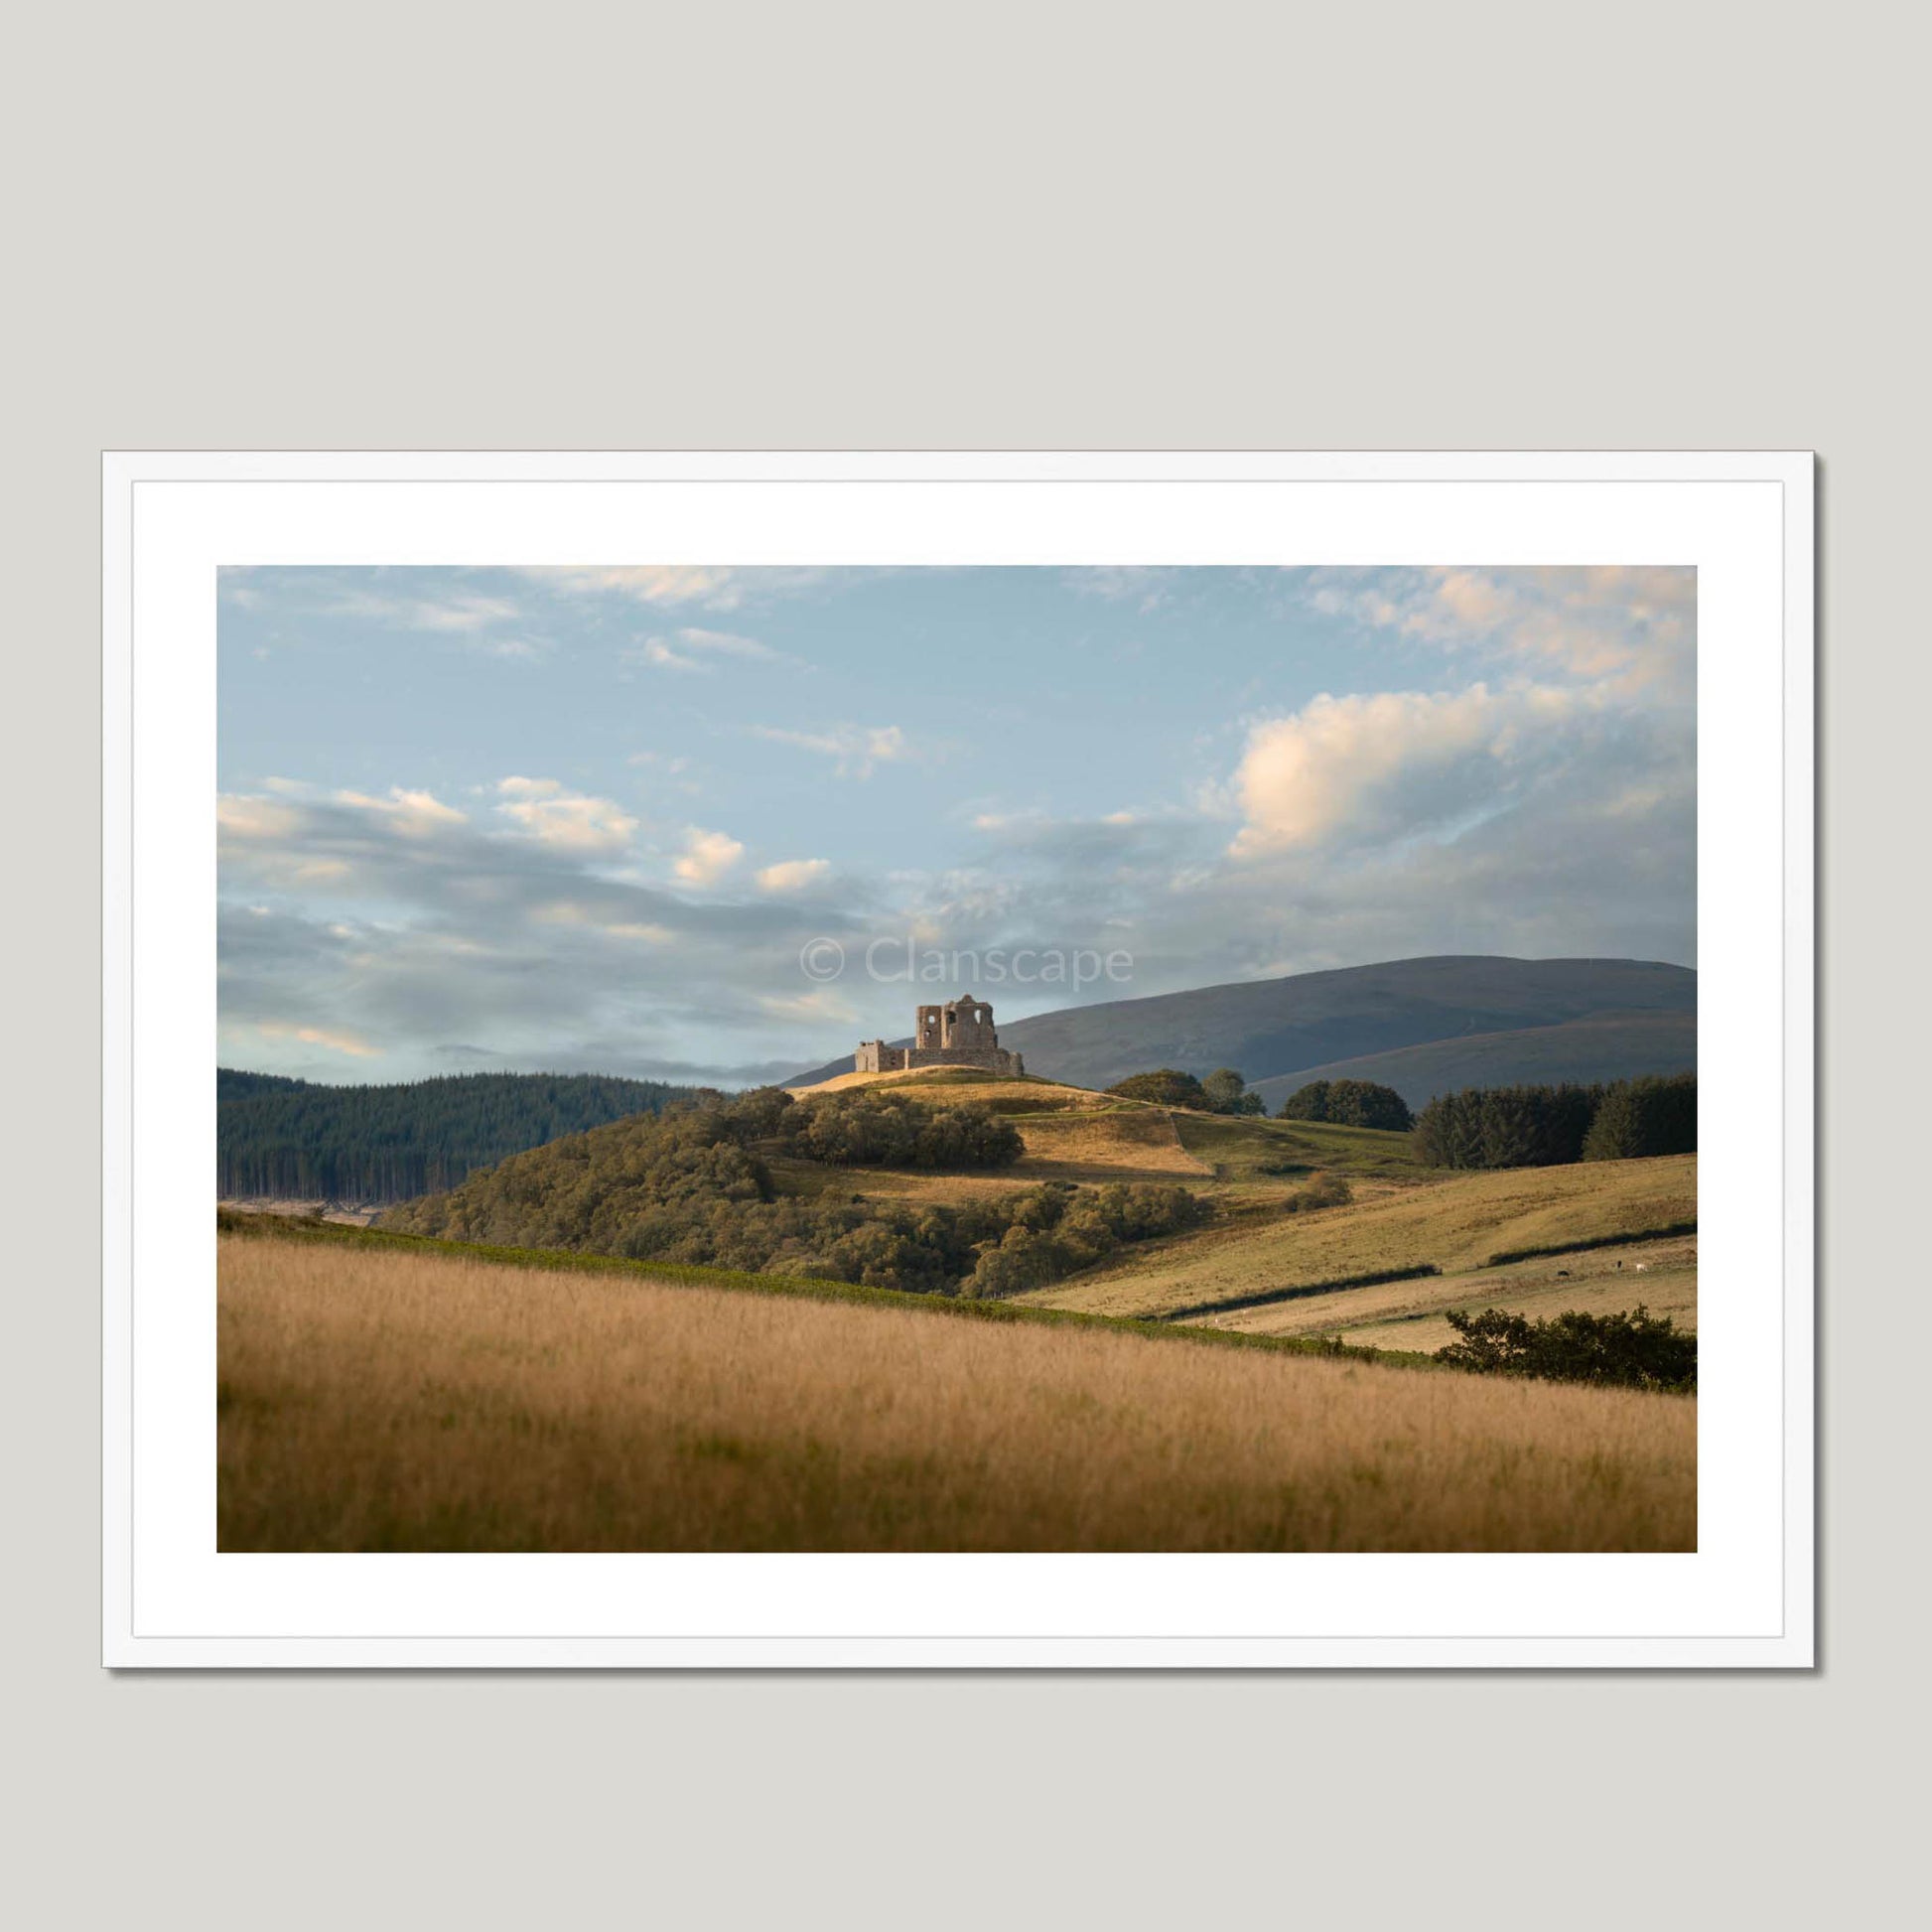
<point>713,586</point>
<point>1144,586</point>
<point>696,649</point>
<point>492,623</point>
<point>857,750</point>
<point>327,1037</point>
<point>1636,626</point>
<point>415,814</point>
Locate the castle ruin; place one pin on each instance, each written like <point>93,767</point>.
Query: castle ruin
<point>958,1033</point>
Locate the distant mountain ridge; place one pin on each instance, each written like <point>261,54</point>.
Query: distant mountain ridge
<point>1396,1022</point>
<point>1600,1048</point>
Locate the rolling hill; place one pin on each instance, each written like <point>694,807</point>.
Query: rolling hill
<point>1494,1020</point>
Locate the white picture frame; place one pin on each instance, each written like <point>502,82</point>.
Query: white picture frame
<point>1745,1599</point>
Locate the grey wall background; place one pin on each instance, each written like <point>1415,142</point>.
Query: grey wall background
<point>1115,226</point>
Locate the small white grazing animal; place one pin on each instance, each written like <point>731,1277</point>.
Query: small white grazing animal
<point>1642,1267</point>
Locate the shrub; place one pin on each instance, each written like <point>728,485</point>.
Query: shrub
<point>1349,1103</point>
<point>1087,1227</point>
<point>873,1130</point>
<point>1168,1086</point>
<point>1630,1349</point>
<point>1324,1190</point>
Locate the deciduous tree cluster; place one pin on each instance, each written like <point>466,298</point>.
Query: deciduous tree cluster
<point>719,1183</point>
<point>1349,1103</point>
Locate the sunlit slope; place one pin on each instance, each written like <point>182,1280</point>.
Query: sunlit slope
<point>1455,1223</point>
<point>1072,1133</point>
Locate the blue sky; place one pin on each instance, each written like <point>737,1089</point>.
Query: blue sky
<point>587,820</point>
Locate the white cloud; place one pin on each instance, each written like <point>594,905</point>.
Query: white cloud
<point>696,649</point>
<point>707,856</point>
<point>461,611</point>
<point>792,875</point>
<point>713,586</point>
<point>336,1041</point>
<point>574,820</point>
<point>243,817</point>
<point>1366,768</point>
<point>415,814</point>
<point>655,651</point>
<point>858,749</point>
<point>1140,585</point>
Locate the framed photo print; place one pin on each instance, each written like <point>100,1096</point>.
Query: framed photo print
<point>1029,1060</point>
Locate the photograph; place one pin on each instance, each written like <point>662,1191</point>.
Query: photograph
<point>956,1057</point>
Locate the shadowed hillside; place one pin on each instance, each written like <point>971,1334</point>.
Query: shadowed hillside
<point>1295,1029</point>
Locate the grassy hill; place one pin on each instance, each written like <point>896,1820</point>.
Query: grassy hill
<point>1454,1223</point>
<point>1090,1202</point>
<point>381,1395</point>
<point>1291,1028</point>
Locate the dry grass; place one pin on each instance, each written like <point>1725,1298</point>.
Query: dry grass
<point>1134,1142</point>
<point>1457,1223</point>
<point>377,1400</point>
<point>1409,1315</point>
<point>949,1086</point>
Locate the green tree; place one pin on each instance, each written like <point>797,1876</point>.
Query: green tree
<point>1307,1103</point>
<point>1226,1092</point>
<point>1642,1117</point>
<point>1505,1127</point>
<point>1167,1086</point>
<point>1349,1103</point>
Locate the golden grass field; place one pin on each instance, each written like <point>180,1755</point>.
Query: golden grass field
<point>379,1399</point>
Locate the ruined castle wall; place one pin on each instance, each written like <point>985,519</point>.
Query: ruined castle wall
<point>994,1059</point>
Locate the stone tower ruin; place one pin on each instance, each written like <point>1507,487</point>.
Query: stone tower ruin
<point>958,1033</point>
